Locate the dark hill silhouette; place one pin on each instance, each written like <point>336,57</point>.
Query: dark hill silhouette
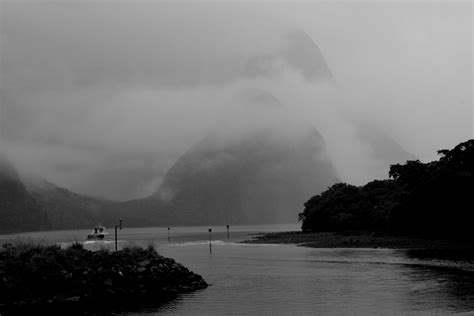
<point>18,210</point>
<point>67,209</point>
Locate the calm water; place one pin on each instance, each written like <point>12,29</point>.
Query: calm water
<point>285,279</point>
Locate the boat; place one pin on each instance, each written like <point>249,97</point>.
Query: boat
<point>98,233</point>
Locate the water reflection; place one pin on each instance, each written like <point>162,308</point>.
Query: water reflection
<point>443,279</point>
<point>292,280</point>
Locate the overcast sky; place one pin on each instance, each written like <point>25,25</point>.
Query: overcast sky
<point>103,96</point>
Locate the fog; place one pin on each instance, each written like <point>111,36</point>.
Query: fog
<point>103,97</point>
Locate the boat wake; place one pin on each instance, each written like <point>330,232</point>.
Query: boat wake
<point>200,242</point>
<point>64,245</point>
<point>219,243</point>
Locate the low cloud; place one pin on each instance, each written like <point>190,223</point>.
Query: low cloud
<point>105,107</point>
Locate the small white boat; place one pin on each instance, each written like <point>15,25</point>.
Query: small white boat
<point>98,233</point>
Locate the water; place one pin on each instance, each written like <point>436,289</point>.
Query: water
<point>286,279</point>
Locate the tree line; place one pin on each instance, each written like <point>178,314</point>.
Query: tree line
<point>433,199</point>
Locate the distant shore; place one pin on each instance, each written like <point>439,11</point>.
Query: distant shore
<point>356,239</point>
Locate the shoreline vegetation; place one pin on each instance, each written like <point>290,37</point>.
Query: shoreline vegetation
<point>45,277</point>
<point>422,206</point>
<point>429,201</point>
<point>453,255</point>
<point>357,239</point>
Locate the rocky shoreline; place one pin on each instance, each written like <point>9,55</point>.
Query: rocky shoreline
<point>356,239</point>
<point>35,277</point>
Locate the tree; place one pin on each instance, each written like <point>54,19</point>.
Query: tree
<point>431,199</point>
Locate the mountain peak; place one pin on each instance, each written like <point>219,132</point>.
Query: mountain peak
<point>300,53</point>
<point>305,55</point>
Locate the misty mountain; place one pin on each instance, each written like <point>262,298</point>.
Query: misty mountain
<point>301,54</point>
<point>248,170</point>
<point>259,174</point>
<point>67,209</point>
<point>257,179</point>
<point>384,148</point>
<point>18,209</point>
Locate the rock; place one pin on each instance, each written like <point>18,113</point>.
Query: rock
<point>108,283</point>
<point>73,299</point>
<point>102,275</point>
<point>109,292</point>
<point>186,288</point>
